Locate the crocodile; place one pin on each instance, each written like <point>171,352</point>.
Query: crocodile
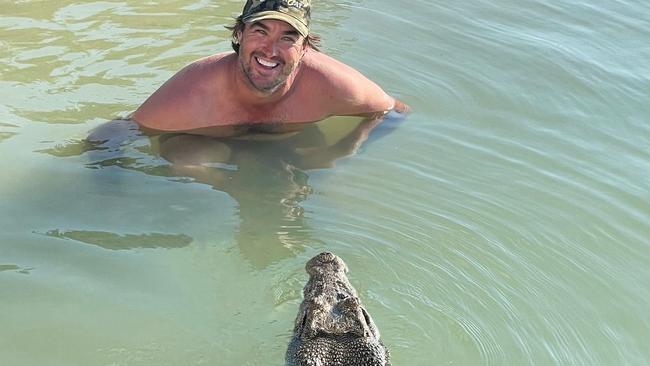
<point>333,328</point>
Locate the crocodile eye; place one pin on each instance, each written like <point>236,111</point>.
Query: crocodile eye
<point>366,316</point>
<point>303,321</point>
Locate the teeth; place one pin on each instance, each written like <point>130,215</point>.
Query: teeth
<point>266,63</point>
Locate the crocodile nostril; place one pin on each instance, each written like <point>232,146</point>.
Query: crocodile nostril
<point>326,257</point>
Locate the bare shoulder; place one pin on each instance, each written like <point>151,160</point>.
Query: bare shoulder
<point>348,91</point>
<point>216,60</point>
<point>180,101</point>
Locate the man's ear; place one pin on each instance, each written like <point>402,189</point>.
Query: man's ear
<point>236,39</point>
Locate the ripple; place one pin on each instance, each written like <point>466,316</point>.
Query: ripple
<point>6,135</point>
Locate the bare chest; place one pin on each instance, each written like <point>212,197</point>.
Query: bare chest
<point>267,118</point>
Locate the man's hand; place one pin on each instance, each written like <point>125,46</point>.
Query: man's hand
<point>401,107</point>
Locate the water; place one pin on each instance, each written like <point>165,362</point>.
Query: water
<point>505,222</point>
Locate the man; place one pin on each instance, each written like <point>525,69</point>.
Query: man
<point>276,81</point>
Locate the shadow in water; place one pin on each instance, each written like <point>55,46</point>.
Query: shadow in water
<point>15,268</point>
<point>114,241</point>
<point>265,174</point>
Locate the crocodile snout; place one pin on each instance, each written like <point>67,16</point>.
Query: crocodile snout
<point>325,262</point>
<point>326,257</point>
<point>332,326</point>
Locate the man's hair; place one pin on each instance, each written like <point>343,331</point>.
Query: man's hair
<point>312,40</point>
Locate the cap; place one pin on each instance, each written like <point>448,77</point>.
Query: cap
<point>295,12</point>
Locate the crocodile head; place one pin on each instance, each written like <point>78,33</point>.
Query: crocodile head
<point>332,326</point>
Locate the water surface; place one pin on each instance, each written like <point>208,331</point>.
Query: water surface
<point>505,222</point>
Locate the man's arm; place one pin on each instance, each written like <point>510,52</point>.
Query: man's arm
<point>349,92</point>
<point>170,106</point>
<point>370,129</point>
<point>182,101</point>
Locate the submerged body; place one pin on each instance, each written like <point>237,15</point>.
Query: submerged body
<point>332,327</point>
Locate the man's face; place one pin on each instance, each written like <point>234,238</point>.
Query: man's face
<point>270,51</point>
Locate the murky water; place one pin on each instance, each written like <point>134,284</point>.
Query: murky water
<point>505,222</point>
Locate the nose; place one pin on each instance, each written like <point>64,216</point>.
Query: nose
<point>270,48</point>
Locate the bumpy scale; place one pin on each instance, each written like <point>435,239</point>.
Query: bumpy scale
<point>332,327</point>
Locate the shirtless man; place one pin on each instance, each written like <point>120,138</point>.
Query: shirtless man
<point>276,81</point>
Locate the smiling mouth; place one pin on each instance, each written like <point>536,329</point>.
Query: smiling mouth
<point>266,63</point>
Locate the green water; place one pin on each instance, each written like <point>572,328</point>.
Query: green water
<point>505,222</point>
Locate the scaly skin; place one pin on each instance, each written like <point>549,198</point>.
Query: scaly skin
<point>332,327</point>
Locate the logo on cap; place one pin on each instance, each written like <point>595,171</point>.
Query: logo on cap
<point>295,12</point>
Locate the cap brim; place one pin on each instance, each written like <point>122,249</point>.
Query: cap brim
<point>295,23</point>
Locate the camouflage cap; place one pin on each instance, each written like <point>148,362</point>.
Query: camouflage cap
<point>295,12</point>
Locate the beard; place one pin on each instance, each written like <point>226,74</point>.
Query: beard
<point>266,82</point>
